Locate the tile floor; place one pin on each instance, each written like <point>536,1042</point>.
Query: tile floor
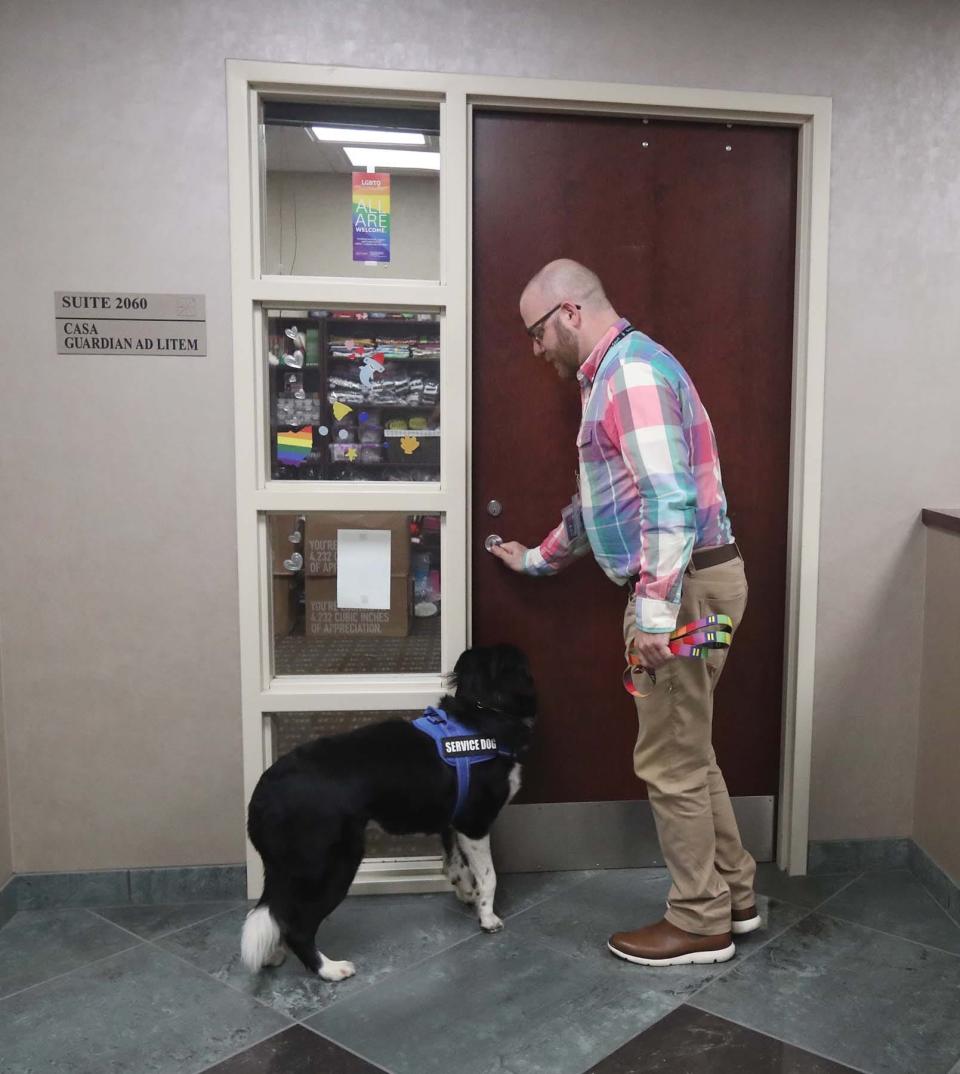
<point>854,971</point>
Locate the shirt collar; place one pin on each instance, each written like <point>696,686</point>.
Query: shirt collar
<point>588,370</point>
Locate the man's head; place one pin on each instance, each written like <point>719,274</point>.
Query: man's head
<point>565,312</point>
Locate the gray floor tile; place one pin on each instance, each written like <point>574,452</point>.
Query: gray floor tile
<point>498,1003</point>
<point>152,922</point>
<point>141,1011</point>
<point>294,1051</point>
<point>807,891</point>
<point>876,1002</point>
<point>545,993</point>
<point>898,903</point>
<point>688,1041</point>
<point>580,921</point>
<point>380,934</point>
<point>36,945</point>
<point>517,892</point>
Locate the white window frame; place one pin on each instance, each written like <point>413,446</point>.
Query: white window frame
<point>250,81</point>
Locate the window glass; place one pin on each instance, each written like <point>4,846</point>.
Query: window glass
<point>292,729</point>
<point>355,593</point>
<point>351,190</point>
<point>354,395</point>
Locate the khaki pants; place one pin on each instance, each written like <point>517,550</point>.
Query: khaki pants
<point>711,871</point>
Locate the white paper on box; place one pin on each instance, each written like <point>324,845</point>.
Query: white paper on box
<point>363,568</point>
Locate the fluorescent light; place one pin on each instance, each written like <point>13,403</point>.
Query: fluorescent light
<point>391,158</point>
<point>341,134</point>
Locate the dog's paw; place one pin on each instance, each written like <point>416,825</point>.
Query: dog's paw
<point>465,895</point>
<point>491,924</point>
<point>277,958</point>
<point>336,971</point>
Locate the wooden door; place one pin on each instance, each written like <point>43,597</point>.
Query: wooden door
<point>695,244</point>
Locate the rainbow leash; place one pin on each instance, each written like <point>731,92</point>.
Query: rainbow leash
<point>694,639</point>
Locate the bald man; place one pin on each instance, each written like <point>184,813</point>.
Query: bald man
<point>654,515</point>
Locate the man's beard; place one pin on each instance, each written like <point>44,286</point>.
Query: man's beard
<point>566,353</point>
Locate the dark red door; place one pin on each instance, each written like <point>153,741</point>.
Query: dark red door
<point>695,244</point>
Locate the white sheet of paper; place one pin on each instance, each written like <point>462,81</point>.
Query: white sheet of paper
<point>363,568</point>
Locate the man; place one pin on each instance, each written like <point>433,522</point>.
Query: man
<point>654,515</point>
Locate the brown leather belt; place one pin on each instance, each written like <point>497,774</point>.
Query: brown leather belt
<point>706,557</point>
<point>710,557</point>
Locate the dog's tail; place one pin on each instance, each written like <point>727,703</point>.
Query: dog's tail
<point>259,938</point>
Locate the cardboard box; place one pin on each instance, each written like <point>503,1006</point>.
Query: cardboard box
<point>321,539</point>
<point>282,527</point>
<point>325,619</point>
<point>284,605</point>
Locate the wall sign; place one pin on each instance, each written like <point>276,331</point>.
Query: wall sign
<point>130,323</point>
<point>371,216</point>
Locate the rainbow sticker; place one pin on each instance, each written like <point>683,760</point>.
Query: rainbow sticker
<point>293,446</point>
<point>371,216</point>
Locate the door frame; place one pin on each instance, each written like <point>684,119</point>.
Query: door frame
<point>459,95</point>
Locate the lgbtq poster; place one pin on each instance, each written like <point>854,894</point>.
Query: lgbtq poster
<point>371,216</point>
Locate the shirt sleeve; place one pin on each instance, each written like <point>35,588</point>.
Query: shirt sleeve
<point>647,417</point>
<point>555,552</point>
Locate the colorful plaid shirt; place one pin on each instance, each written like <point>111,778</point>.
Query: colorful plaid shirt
<point>649,476</point>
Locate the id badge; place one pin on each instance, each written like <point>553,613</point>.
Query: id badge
<point>572,516</point>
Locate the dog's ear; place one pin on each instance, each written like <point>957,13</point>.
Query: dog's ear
<point>470,673</point>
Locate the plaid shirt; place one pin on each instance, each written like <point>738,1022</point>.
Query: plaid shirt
<point>649,476</point>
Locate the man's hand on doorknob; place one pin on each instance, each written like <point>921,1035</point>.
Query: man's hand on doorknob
<point>510,553</point>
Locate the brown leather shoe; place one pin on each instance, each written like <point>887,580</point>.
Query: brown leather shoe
<point>664,944</point>
<point>745,920</point>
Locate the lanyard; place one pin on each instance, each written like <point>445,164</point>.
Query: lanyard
<point>694,639</point>
<point>622,334</point>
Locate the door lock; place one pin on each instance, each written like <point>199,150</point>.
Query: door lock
<point>494,508</point>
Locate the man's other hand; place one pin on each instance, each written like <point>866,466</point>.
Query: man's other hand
<point>652,650</point>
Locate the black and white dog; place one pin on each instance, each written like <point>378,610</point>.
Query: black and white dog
<point>309,812</point>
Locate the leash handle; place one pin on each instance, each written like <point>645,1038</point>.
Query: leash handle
<point>714,621</point>
<point>695,639</point>
<point>629,686</point>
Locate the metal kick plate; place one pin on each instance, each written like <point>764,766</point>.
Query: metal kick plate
<point>606,835</point>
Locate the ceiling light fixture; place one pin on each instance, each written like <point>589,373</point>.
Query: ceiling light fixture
<point>342,134</point>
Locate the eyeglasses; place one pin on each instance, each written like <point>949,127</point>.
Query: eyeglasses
<point>536,330</point>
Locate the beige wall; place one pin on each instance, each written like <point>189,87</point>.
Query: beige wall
<point>121,688</point>
<point>936,827</point>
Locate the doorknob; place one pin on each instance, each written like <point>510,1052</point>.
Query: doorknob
<point>492,541</point>
<point>495,508</point>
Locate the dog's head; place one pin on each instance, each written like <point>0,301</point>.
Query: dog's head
<point>497,677</point>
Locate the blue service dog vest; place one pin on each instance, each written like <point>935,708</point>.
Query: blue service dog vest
<point>459,746</point>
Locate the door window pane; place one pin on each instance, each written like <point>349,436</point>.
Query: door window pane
<point>354,395</point>
<point>355,593</point>
<point>351,190</point>
<point>292,729</point>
